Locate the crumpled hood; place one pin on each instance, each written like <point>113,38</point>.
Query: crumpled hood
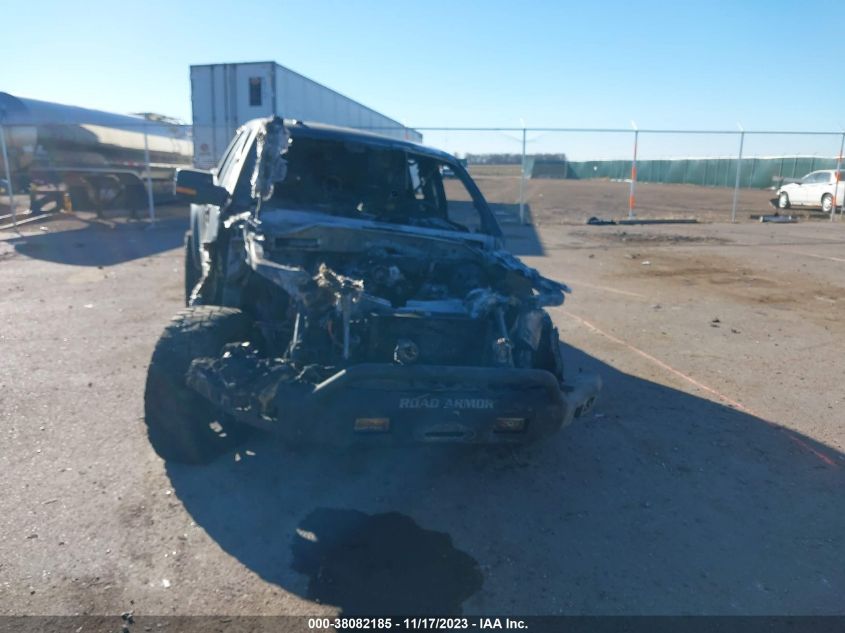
<point>279,223</point>
<point>276,240</point>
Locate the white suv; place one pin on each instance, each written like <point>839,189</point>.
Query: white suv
<point>816,189</point>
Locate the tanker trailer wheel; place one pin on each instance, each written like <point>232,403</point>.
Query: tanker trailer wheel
<point>134,199</point>
<point>181,424</point>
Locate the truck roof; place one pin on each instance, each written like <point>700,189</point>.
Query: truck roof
<point>322,130</point>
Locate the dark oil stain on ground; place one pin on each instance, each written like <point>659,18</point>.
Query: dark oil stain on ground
<point>382,563</point>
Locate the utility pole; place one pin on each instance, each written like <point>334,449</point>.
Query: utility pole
<point>738,171</point>
<point>522,182</point>
<point>838,180</point>
<point>633,173</point>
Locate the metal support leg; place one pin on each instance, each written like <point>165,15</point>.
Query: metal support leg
<point>9,187</point>
<point>150,203</point>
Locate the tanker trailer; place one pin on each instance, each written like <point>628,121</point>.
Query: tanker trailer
<point>99,158</point>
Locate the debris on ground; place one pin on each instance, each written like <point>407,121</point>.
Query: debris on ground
<point>594,221</point>
<point>776,218</point>
<point>658,221</point>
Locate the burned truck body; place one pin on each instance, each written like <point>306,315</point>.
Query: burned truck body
<point>339,290</point>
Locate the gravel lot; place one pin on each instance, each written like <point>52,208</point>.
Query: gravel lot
<point>551,201</point>
<point>708,480</point>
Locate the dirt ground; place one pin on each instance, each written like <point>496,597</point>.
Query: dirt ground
<point>707,481</point>
<point>552,201</point>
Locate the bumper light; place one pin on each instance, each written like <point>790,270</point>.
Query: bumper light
<point>372,425</point>
<point>509,425</point>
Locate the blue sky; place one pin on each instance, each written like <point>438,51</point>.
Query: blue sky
<point>661,64</point>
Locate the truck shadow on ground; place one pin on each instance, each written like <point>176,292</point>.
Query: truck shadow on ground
<point>521,238</point>
<point>659,502</point>
<point>381,563</point>
<point>101,243</point>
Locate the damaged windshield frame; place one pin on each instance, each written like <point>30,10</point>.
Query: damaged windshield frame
<point>432,187</point>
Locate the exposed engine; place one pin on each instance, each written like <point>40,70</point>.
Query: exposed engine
<point>367,302</point>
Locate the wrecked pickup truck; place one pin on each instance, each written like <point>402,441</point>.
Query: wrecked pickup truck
<point>340,290</point>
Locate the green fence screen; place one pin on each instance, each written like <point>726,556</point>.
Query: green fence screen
<point>714,172</point>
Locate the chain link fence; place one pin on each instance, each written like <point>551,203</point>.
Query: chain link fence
<point>569,175</point>
<point>539,175</point>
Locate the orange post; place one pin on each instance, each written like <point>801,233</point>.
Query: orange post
<point>837,179</point>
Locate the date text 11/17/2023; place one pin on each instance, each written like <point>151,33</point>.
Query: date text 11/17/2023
<point>412,624</point>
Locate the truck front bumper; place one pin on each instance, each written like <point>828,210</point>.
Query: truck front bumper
<point>394,404</point>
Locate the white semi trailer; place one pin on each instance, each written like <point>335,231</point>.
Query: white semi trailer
<point>224,96</point>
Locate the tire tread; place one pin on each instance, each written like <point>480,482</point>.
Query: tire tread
<point>177,417</point>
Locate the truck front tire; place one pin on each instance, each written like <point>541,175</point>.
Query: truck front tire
<point>181,424</point>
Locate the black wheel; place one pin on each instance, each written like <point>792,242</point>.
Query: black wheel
<point>134,199</point>
<point>827,203</point>
<point>193,273</point>
<point>182,425</point>
<point>79,198</point>
<point>783,201</point>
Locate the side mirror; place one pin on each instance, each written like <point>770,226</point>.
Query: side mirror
<point>197,185</point>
